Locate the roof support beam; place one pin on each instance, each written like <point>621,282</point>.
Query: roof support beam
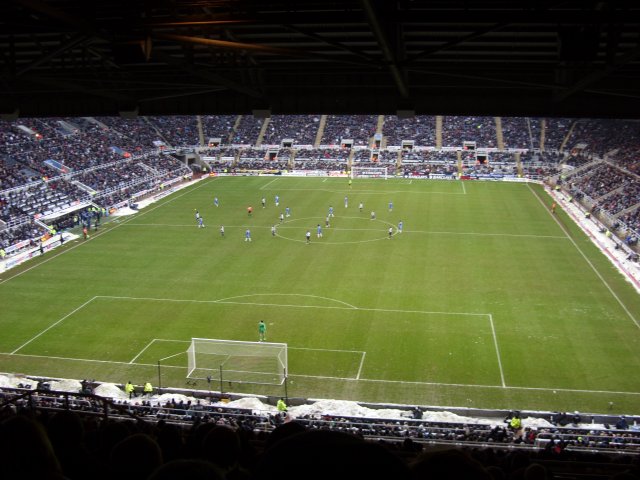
<point>386,47</point>
<point>211,77</point>
<point>598,75</point>
<point>72,42</point>
<point>454,43</point>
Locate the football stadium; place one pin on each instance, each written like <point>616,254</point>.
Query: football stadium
<point>399,294</point>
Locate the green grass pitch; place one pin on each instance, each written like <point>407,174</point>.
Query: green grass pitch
<point>485,300</point>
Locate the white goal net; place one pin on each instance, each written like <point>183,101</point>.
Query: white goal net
<point>369,172</point>
<point>236,361</point>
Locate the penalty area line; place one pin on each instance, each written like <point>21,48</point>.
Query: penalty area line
<point>495,342</point>
<point>142,351</point>
<point>361,364</point>
<point>92,360</point>
<point>159,340</point>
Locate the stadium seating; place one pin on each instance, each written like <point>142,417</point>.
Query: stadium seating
<point>47,164</point>
<point>88,433</point>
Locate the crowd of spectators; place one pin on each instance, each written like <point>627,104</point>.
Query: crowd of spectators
<point>177,130</point>
<point>601,180</point>
<point>135,135</point>
<point>358,128</point>
<point>626,197</point>
<point>490,169</point>
<point>517,133</point>
<point>326,159</point>
<point>302,129</point>
<point>631,220</point>
<point>365,155</point>
<point>535,126</point>
<point>25,230</point>
<point>577,159</point>
<point>427,162</point>
<point>555,131</point>
<point>421,129</point>
<point>247,131</point>
<point>325,154</point>
<point>74,436</point>
<point>260,159</point>
<point>46,162</point>
<point>218,126</point>
<point>34,150</point>
<point>37,198</point>
<point>456,130</point>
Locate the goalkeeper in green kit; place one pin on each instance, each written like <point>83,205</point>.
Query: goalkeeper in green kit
<point>262,331</point>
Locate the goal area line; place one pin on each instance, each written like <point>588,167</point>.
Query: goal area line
<point>359,353</point>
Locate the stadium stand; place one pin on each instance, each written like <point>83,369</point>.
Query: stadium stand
<point>48,164</point>
<point>177,130</point>
<point>87,433</point>
<point>247,131</point>
<point>300,129</point>
<point>35,151</point>
<point>555,131</point>
<point>456,130</point>
<point>325,159</point>
<point>517,133</point>
<point>420,129</point>
<point>359,128</point>
<point>218,126</point>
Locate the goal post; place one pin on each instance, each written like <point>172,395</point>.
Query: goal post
<point>236,361</point>
<point>369,172</point>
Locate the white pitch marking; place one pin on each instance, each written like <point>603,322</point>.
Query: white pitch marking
<point>142,351</point>
<point>104,231</point>
<point>114,362</point>
<point>403,382</point>
<point>324,350</point>
<point>267,184</point>
<point>171,356</point>
<point>348,306</point>
<point>495,342</point>
<point>338,229</point>
<point>361,364</point>
<point>480,234</point>
<point>624,307</point>
<point>52,325</point>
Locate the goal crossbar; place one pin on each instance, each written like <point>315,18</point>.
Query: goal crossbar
<point>237,361</point>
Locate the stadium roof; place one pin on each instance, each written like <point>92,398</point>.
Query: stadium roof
<point>500,57</point>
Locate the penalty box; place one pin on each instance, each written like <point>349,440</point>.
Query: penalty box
<point>325,339</point>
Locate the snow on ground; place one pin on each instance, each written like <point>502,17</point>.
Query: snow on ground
<point>123,212</point>
<point>316,409</point>
<point>13,381</point>
<point>72,386</point>
<point>110,390</point>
